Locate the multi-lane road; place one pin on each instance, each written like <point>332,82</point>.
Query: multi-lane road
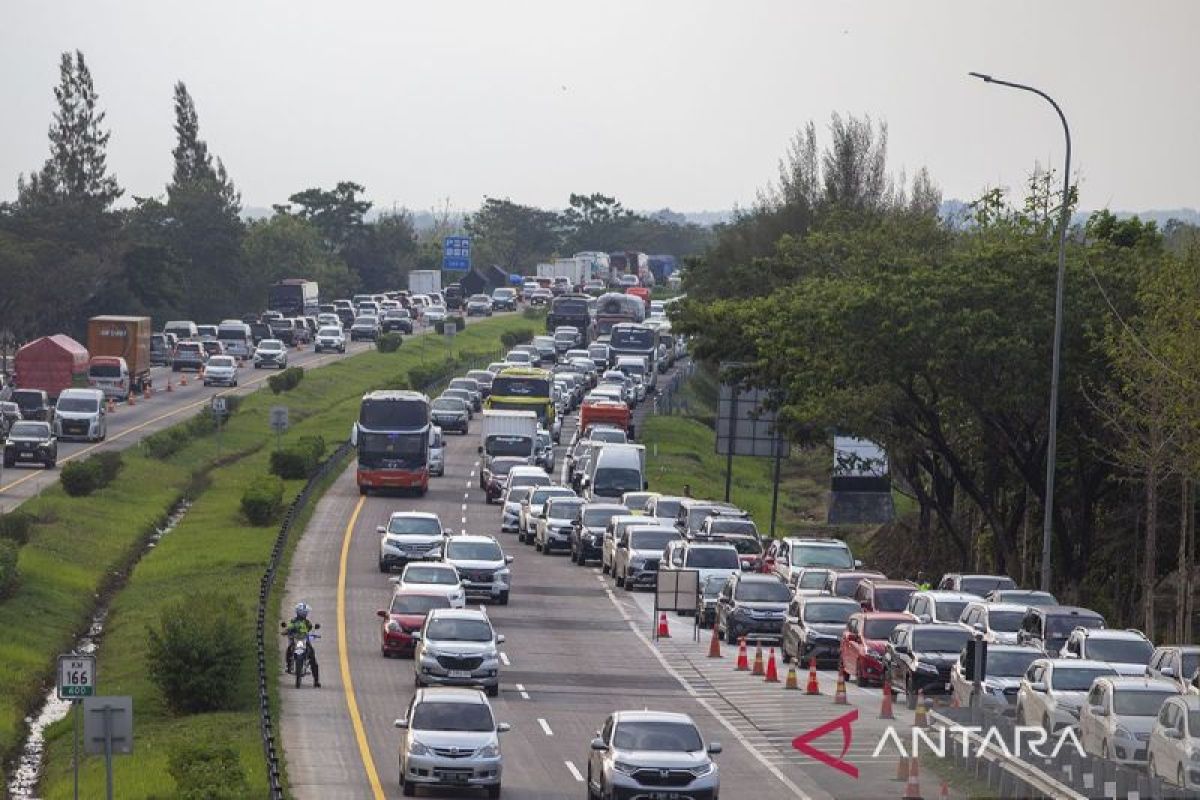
<point>575,651</point>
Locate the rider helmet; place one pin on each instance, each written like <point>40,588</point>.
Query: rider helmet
<point>302,610</point>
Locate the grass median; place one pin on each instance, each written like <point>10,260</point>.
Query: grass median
<point>80,542</point>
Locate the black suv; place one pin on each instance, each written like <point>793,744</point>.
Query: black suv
<point>1049,627</point>
<point>813,628</point>
<point>396,319</point>
<point>919,657</point>
<point>31,441</point>
<point>752,605</point>
<point>34,405</point>
<point>454,296</point>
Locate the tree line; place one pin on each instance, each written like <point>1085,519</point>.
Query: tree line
<point>845,295</point>
<point>69,249</point>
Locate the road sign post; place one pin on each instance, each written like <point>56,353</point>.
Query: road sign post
<point>279,423</point>
<point>456,253</point>
<point>219,412</point>
<point>76,680</point>
<point>108,731</point>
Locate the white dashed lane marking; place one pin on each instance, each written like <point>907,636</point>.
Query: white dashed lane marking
<point>545,727</point>
<point>571,768</point>
<point>520,687</point>
<point>504,659</point>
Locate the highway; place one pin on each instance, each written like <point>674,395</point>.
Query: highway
<point>575,651</point>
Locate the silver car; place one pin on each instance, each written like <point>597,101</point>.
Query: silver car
<point>410,536</point>
<point>449,738</point>
<point>1006,665</point>
<point>1116,720</point>
<point>482,565</point>
<point>652,754</point>
<point>458,647</point>
<point>221,371</point>
<point>555,524</point>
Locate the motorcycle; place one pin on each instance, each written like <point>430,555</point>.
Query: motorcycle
<point>297,652</point>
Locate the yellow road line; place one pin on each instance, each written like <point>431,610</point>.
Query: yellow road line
<point>360,734</point>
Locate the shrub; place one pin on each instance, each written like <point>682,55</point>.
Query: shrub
<point>8,566</point>
<point>15,526</point>
<point>533,313</point>
<point>299,459</point>
<point>208,770</point>
<point>424,376</point>
<point>262,500</point>
<point>80,478</point>
<point>196,655</point>
<point>390,342</point>
<point>164,444</point>
<point>511,339</point>
<point>110,463</point>
<point>287,380</point>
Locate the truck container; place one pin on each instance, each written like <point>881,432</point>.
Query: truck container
<point>425,281</point>
<point>123,337</point>
<point>662,267</point>
<point>605,412</point>
<point>575,270</point>
<point>544,270</point>
<point>294,297</point>
<point>53,363</point>
<point>597,265</point>
<point>508,433</point>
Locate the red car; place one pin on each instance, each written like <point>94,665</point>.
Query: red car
<point>405,617</point>
<point>864,641</point>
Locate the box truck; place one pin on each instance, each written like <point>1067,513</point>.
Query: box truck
<point>112,340</point>
<point>424,281</point>
<point>506,433</point>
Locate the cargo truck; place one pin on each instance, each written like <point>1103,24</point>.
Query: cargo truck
<point>425,281</point>
<point>52,364</point>
<point>112,340</point>
<point>506,433</point>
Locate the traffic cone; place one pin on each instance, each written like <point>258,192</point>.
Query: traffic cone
<point>146,391</point>
<point>902,769</point>
<point>714,645</point>
<point>912,789</point>
<point>839,695</point>
<point>758,660</point>
<point>772,672</point>
<point>112,405</point>
<point>813,687</point>
<point>743,661</point>
<point>170,388</point>
<point>885,710</point>
<point>791,682</point>
<point>922,719</point>
<point>664,630</point>
<point>183,379</point>
<point>129,398</point>
<point>944,792</point>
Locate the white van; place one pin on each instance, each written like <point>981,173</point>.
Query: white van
<point>437,452</point>
<point>80,414</point>
<point>182,328</point>
<point>614,470</point>
<point>237,339</point>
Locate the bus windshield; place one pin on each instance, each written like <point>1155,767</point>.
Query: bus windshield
<point>393,414</point>
<point>632,338</point>
<point>510,386</point>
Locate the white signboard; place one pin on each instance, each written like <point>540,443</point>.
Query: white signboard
<point>76,677</point>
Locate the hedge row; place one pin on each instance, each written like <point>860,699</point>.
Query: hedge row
<point>8,566</point>
<point>513,338</point>
<point>390,342</point>
<point>263,499</point>
<point>288,379</point>
<point>81,478</point>
<point>299,459</point>
<point>167,443</point>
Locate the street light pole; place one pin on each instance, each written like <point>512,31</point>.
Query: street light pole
<point>1056,359</point>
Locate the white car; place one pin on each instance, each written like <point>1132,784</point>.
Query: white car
<point>221,371</point>
<point>434,577</point>
<point>1175,743</point>
<point>555,524</point>
<point>534,506</point>
<point>482,565</point>
<point>410,536</point>
<point>1053,690</point>
<point>271,353</point>
<point>329,320</point>
<point>1126,651</point>
<point>462,719</point>
<point>510,507</point>
<point>1116,719</point>
<point>435,313</point>
<point>330,338</point>
<point>998,622</point>
<point>940,607</point>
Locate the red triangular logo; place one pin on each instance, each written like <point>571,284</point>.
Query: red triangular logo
<point>843,724</point>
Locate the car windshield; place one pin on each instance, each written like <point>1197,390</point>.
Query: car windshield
<point>880,628</point>
<point>746,545</point>
<point>501,466</point>
<point>1060,626</point>
<point>668,509</point>
<point>330,332</point>
<point>448,404</point>
<point>667,737</point>
<point>473,551</point>
<point>1191,662</point>
<point>600,517</point>
<point>220,361</point>
<point>632,338</point>
<point>1139,702</point>
<point>614,481</point>
<point>950,640</point>
<point>1006,621</point>
<point>418,603</point>
<point>459,630</point>
<point>518,494</point>
<point>712,558</point>
<point>30,430</point>
<point>720,525</point>
<point>105,370</point>
<point>1120,651</point>
<point>564,508</point>
<point>609,436</point>
<point>422,526</point>
<point>475,717</point>
<point>892,598</point>
<point>651,540</point>
<point>844,585</point>
<point>1076,679</point>
<point>948,610</point>
<point>982,584</point>
<point>513,386</point>
<point>541,495</point>
<point>762,592</point>
<point>1010,663</point>
<point>828,613</point>
<point>270,344</point>
<point>713,585</point>
<point>438,575</point>
<point>821,556</point>
<point>812,579</point>
<point>77,404</point>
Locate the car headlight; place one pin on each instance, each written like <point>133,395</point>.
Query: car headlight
<point>393,626</point>
<point>923,667</point>
<point>628,769</point>
<point>1122,732</point>
<point>415,748</point>
<point>703,769</point>
<point>503,573</point>
<point>488,751</point>
<point>637,562</point>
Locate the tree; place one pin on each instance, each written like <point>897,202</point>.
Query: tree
<point>285,246</point>
<point>595,222</point>
<point>337,214</point>
<point>383,253</point>
<point>511,235</point>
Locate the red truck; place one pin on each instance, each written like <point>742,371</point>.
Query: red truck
<point>52,363</point>
<point>605,412</point>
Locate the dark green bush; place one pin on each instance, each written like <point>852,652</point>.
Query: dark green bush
<point>511,339</point>
<point>15,526</point>
<point>166,443</point>
<point>110,463</point>
<point>298,459</point>
<point>390,342</point>
<point>197,653</point>
<point>8,566</point>
<point>262,500</point>
<point>287,380</point>
<point>208,770</point>
<point>80,478</point>
<point>534,313</point>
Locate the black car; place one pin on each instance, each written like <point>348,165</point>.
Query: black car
<point>752,606</point>
<point>919,657</point>
<point>813,628</point>
<point>260,331</point>
<point>450,414</point>
<point>396,319</point>
<point>504,300</point>
<point>160,350</point>
<point>1049,627</point>
<point>587,532</point>
<point>31,441</point>
<point>454,296</point>
<point>34,404</point>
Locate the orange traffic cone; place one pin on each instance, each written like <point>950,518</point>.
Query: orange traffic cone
<point>182,379</point>
<point>743,661</point>
<point>902,769</point>
<point>885,709</point>
<point>146,391</point>
<point>772,672</point>
<point>791,682</point>
<point>112,405</point>
<point>664,630</point>
<point>912,789</point>
<point>944,792</point>
<point>170,388</point>
<point>714,645</point>
<point>758,660</point>
<point>129,398</point>
<point>839,695</point>
<point>813,687</point>
<point>922,720</point>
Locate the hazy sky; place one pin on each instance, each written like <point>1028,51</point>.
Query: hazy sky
<point>681,104</point>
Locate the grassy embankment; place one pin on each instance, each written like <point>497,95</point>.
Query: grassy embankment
<point>81,541</point>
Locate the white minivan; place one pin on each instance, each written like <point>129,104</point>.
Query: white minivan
<point>80,414</point>
<point>614,470</point>
<point>236,338</point>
